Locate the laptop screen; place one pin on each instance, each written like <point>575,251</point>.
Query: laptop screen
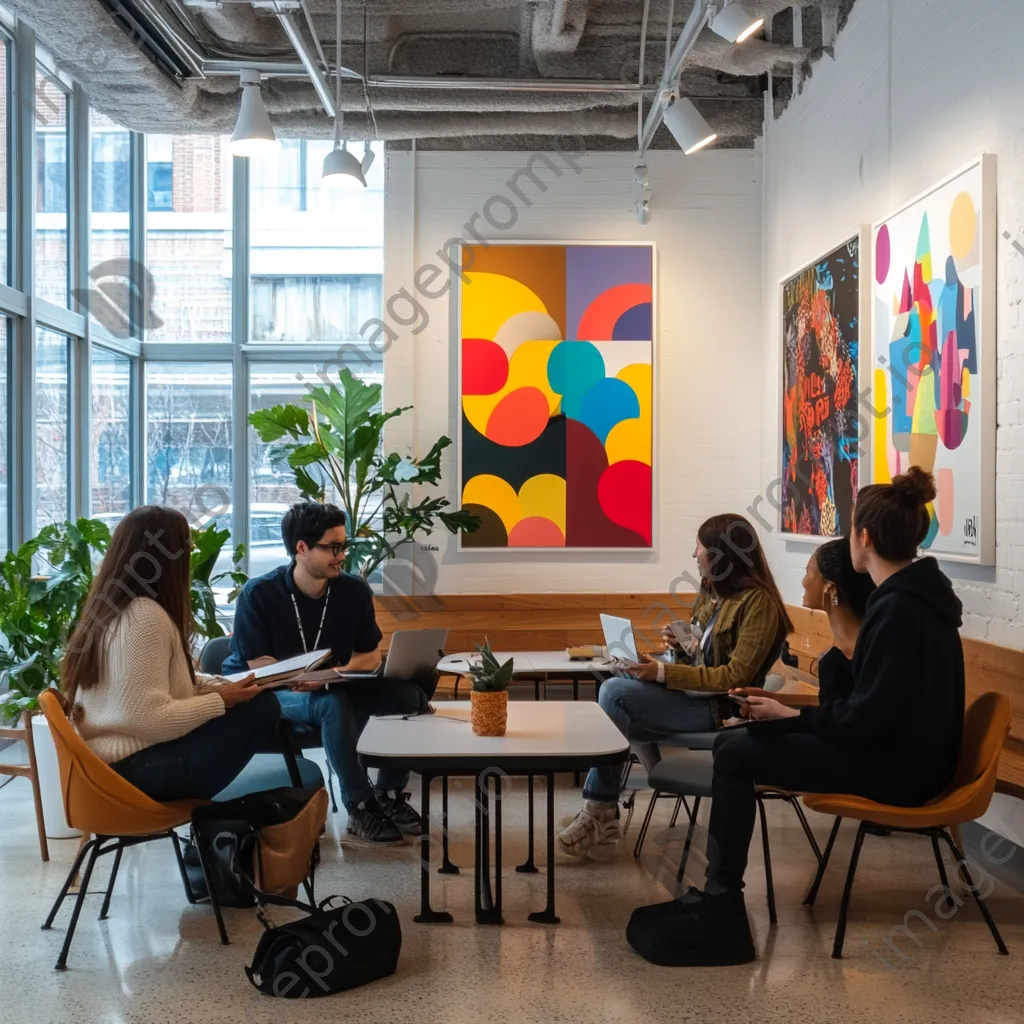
<point>618,635</point>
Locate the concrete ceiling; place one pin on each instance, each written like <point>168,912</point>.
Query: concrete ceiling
<point>526,40</point>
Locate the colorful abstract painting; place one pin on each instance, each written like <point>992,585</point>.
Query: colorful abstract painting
<point>929,385</point>
<point>820,346</point>
<point>556,395</point>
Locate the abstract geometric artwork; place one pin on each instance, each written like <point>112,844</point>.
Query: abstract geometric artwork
<point>820,346</point>
<point>555,357</point>
<point>933,351</point>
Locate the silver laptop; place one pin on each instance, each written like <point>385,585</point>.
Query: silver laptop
<point>413,653</point>
<point>620,641</point>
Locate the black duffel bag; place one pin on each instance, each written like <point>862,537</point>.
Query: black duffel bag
<point>330,949</point>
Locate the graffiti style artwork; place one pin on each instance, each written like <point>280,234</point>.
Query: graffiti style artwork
<point>820,346</point>
<point>932,291</point>
<point>556,396</point>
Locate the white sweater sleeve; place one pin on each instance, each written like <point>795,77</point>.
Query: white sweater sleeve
<point>139,670</point>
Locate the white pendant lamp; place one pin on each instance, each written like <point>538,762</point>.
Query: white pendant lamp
<point>341,170</point>
<point>735,23</point>
<point>687,126</point>
<point>254,133</point>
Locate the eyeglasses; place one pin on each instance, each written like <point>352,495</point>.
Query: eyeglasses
<point>335,549</point>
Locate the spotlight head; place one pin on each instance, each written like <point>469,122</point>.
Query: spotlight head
<point>368,156</point>
<point>687,126</point>
<point>735,23</point>
<point>643,211</point>
<point>254,133</point>
<point>341,170</point>
<point>640,175</point>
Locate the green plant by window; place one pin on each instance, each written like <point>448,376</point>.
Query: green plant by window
<point>337,440</point>
<point>206,547</point>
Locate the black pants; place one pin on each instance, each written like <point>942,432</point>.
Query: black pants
<point>198,765</point>
<point>799,761</point>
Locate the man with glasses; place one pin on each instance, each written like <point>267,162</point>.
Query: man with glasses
<point>309,605</point>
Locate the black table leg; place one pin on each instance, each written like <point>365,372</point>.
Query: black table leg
<point>547,915</point>
<point>488,910</point>
<point>447,867</point>
<point>427,915</point>
<point>528,867</point>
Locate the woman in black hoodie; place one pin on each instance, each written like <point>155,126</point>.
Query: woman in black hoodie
<point>895,738</point>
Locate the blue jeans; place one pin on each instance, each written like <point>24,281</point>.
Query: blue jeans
<point>644,713</point>
<point>341,713</point>
<point>198,765</point>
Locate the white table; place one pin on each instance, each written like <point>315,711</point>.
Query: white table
<point>541,739</point>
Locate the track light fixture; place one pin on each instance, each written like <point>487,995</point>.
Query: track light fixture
<point>254,133</point>
<point>687,126</point>
<point>640,175</point>
<point>643,210</point>
<point>341,168</point>
<point>735,23</point>
<point>368,155</point>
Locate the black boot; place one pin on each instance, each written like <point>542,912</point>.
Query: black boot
<point>712,933</point>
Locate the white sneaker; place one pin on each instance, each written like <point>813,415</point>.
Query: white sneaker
<point>596,826</point>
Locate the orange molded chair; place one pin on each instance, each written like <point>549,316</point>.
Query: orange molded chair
<point>102,804</point>
<point>986,725</point>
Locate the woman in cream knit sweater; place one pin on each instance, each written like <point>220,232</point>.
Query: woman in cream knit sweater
<point>135,697</point>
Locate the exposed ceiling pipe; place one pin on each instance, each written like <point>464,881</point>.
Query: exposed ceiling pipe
<point>699,17</point>
<point>316,76</point>
<point>503,84</point>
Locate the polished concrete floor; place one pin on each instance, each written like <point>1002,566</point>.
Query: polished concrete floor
<point>156,960</point>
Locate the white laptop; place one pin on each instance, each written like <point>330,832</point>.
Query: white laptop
<point>620,641</point>
<point>412,653</point>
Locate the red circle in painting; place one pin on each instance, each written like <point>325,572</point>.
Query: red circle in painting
<point>883,254</point>
<point>484,367</point>
<point>624,492</point>
<point>519,418</point>
<point>536,532</point>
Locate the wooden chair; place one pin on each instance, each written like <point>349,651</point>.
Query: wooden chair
<point>986,726</point>
<point>116,814</point>
<point>28,771</point>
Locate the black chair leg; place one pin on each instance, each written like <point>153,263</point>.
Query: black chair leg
<point>210,891</point>
<point>113,878</point>
<point>937,850</point>
<point>675,812</point>
<point>85,849</point>
<point>642,834</point>
<point>837,946</point>
<point>62,960</point>
<point>189,894</point>
<point>794,802</point>
<point>978,898</point>
<point>689,839</point>
<point>812,893</point>
<point>768,880</point>
<point>330,787</point>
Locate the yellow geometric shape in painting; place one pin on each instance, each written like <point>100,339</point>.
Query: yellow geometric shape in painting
<point>638,377</point>
<point>496,494</point>
<point>544,495</point>
<point>962,227</point>
<point>880,460</point>
<point>924,419</point>
<point>478,409</point>
<point>490,300</point>
<point>528,368</point>
<point>629,441</point>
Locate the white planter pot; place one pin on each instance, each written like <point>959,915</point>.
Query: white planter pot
<point>49,782</point>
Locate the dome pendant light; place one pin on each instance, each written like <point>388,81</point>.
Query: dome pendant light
<point>254,133</point>
<point>341,168</point>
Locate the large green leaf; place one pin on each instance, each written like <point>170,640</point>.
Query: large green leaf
<point>280,421</point>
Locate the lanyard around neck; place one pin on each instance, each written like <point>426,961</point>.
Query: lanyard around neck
<point>320,628</point>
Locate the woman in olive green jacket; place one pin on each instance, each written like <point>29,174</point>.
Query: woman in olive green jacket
<point>739,622</point>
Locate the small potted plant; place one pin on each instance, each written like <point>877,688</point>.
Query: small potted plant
<point>489,697</point>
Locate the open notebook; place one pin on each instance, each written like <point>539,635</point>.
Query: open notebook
<point>280,672</point>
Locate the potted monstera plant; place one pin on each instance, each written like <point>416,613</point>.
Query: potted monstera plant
<point>489,696</point>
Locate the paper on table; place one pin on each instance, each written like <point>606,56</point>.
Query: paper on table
<point>279,672</point>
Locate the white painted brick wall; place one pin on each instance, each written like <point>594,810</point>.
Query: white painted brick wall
<point>918,89</point>
<point>706,224</point>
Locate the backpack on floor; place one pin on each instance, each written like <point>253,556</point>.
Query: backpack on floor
<point>267,842</point>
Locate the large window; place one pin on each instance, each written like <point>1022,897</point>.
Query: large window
<point>5,65</point>
<point>109,238</point>
<point>51,116</point>
<point>188,237</point>
<point>111,375</point>
<point>52,414</point>
<point>188,437</point>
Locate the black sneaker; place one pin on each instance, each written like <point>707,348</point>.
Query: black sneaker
<point>401,812</point>
<point>369,826</point>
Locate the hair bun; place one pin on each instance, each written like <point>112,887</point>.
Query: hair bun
<point>916,484</point>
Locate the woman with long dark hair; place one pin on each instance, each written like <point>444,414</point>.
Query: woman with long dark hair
<point>895,738</point>
<point>741,622</point>
<point>129,678</point>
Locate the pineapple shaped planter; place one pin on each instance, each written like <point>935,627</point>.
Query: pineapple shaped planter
<point>489,697</point>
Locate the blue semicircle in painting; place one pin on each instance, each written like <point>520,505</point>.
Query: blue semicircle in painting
<point>634,324</point>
